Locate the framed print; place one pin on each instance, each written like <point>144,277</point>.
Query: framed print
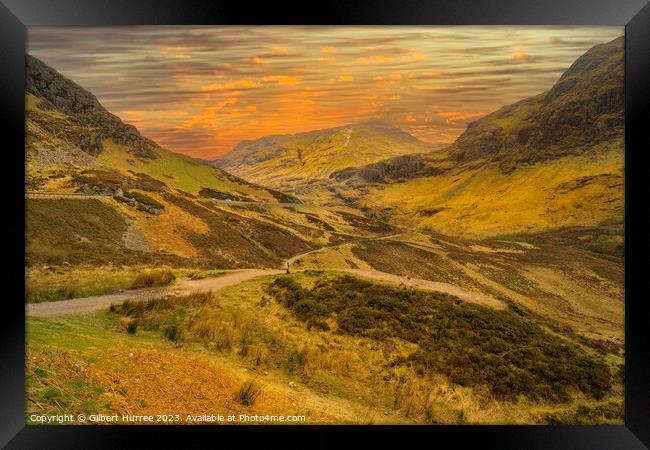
<point>355,221</point>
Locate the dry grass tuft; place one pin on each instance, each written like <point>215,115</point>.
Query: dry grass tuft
<point>249,392</point>
<point>154,277</point>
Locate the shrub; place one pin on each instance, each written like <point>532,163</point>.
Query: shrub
<point>144,199</point>
<point>611,412</point>
<point>172,333</point>
<point>607,245</point>
<point>249,392</point>
<point>132,327</point>
<point>148,311</point>
<point>472,345</point>
<point>154,277</point>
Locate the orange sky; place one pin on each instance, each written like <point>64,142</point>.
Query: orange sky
<point>201,90</point>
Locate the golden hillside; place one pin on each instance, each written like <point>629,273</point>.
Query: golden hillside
<point>556,159</point>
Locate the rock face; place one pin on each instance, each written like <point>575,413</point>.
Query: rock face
<point>585,107</point>
<point>92,122</point>
<point>398,168</point>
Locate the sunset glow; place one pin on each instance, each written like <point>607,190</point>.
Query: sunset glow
<point>201,90</point>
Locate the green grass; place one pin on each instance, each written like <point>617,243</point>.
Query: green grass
<point>72,343</point>
<point>53,284</point>
<point>472,345</point>
<point>245,327</point>
<point>64,332</point>
<point>188,175</point>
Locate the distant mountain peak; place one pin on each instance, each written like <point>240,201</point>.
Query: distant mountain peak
<point>299,162</point>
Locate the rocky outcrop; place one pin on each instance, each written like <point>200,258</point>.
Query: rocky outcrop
<point>584,108</point>
<point>140,201</point>
<point>394,169</point>
<point>90,123</point>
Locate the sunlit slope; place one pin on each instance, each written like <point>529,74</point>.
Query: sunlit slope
<point>292,162</point>
<point>335,348</point>
<point>183,173</point>
<point>574,190</point>
<point>553,160</point>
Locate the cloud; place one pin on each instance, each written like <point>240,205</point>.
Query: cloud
<point>374,59</point>
<point>280,51</point>
<point>410,118</point>
<point>460,117</point>
<point>427,87</point>
<point>413,57</point>
<point>208,117</point>
<point>201,90</point>
<point>282,80</point>
<point>389,80</point>
<point>451,90</point>
<point>523,56</point>
<point>244,83</point>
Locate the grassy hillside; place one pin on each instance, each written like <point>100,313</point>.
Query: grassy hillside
<point>136,203</point>
<point>573,276</point>
<point>481,283</point>
<point>583,109</point>
<point>360,365</point>
<point>54,160</point>
<point>466,201</point>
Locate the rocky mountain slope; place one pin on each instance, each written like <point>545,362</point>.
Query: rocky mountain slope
<point>552,159</point>
<point>583,109</point>
<point>69,131</point>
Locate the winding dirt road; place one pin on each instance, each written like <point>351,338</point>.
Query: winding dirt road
<point>446,288</point>
<point>89,304</point>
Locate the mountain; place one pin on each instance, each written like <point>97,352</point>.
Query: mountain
<point>552,159</point>
<point>299,163</point>
<point>68,127</point>
<point>98,192</point>
<point>583,109</point>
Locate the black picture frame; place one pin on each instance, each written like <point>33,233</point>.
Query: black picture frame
<point>16,15</point>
